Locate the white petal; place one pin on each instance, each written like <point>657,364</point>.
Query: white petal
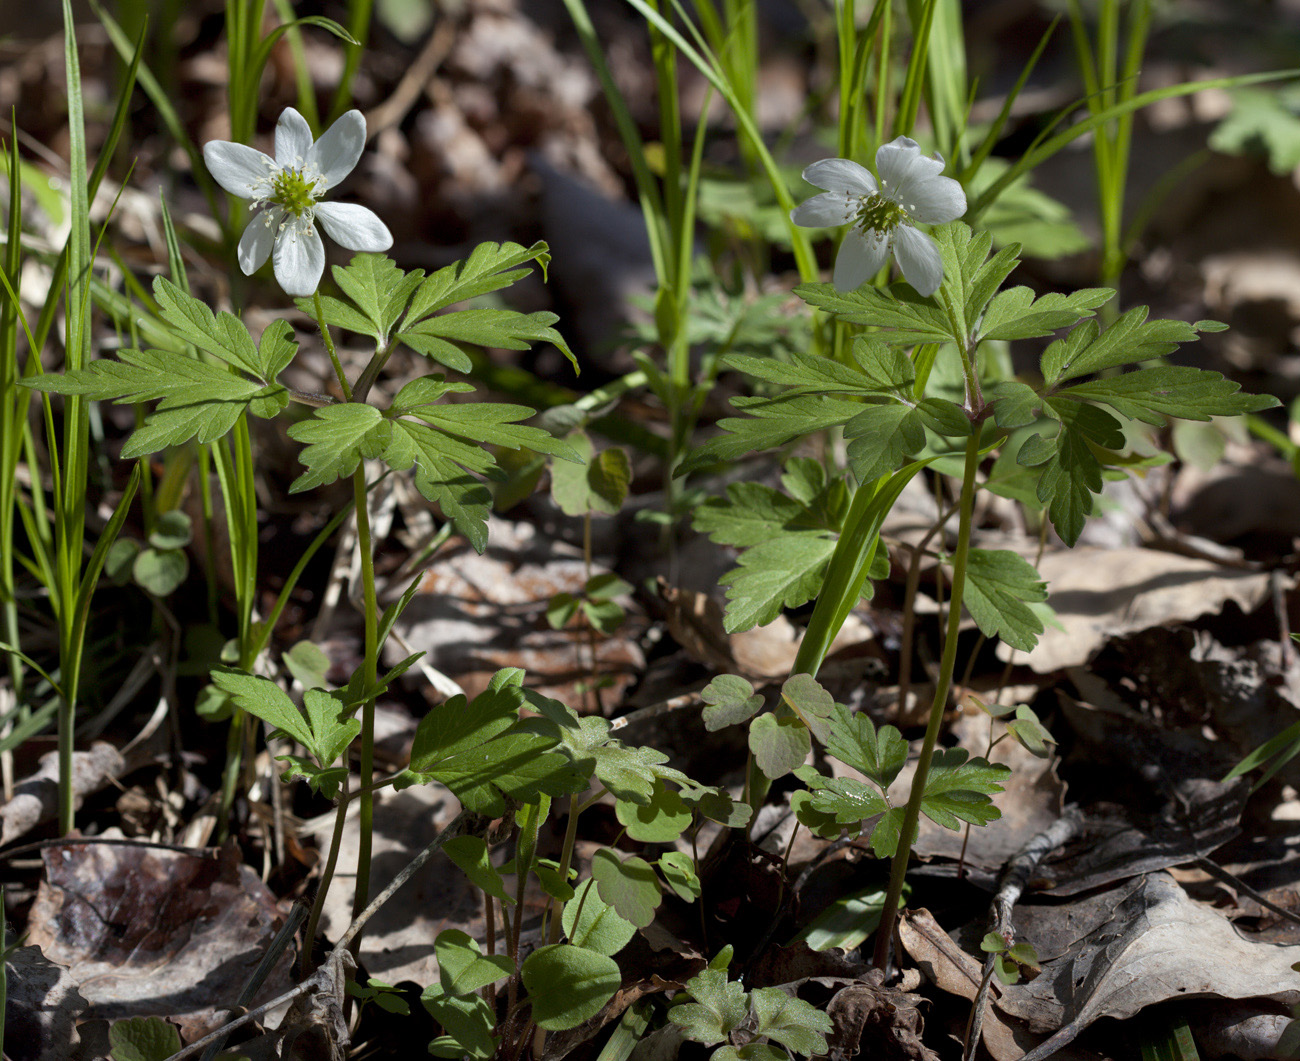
<point>824,211</point>
<point>240,169</point>
<point>292,139</point>
<point>335,154</point>
<point>354,227</point>
<point>937,199</point>
<point>299,258</point>
<point>901,167</point>
<point>258,239</point>
<point>860,258</point>
<point>919,259</point>
<point>841,175</point>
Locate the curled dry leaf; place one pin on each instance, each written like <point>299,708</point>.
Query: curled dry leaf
<point>149,931</point>
<point>1160,945</point>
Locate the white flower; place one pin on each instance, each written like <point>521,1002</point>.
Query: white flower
<point>286,191</point>
<point>910,189</point>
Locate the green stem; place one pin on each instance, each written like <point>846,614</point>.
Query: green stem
<point>326,878</point>
<point>329,346</point>
<point>371,667</point>
<point>912,814</point>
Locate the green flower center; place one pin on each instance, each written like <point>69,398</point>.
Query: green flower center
<point>877,212</point>
<point>292,191</point>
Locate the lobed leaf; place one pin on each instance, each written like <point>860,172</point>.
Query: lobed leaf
<point>719,1007</point>
<point>999,587</point>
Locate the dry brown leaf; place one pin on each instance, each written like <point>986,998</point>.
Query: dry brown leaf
<point>871,1020</point>
<point>398,943</point>
<point>1160,945</point>
<point>1099,594</point>
<point>475,614</point>
<point>42,1005</point>
<point>148,931</point>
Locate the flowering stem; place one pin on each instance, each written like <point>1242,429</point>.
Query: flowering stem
<point>370,675</point>
<point>329,345</point>
<point>947,663</point>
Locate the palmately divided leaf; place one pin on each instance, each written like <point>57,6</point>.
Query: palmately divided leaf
<point>719,1007</point>
<point>490,267</point>
<point>876,754</point>
<point>507,329</point>
<point>223,336</point>
<point>1071,473</point>
<point>784,572</point>
<point>336,438</point>
<point>810,372</point>
<point>198,399</point>
<point>332,731</point>
<point>958,789</point>
<point>263,699</point>
<point>494,423</point>
<point>999,587</point>
<point>380,290</point>
<point>797,1025</point>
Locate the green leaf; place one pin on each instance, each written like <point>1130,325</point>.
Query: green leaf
<point>463,499</point>
<point>1072,472</point>
<point>463,968</point>
<point>470,853</point>
<point>807,699</point>
<point>378,288</point>
<point>599,484</point>
<point>909,317</point>
<point>718,806</point>
<point>1152,394</point>
<point>792,1022</point>
<point>467,1019</point>
<point>629,773</point>
<point>752,513</point>
<point>660,821</point>
<point>171,530</point>
<point>1016,314</point>
<point>770,422</point>
<point>808,372</point>
<point>143,1039</point>
<point>263,699</point>
<point>629,885</point>
<point>1030,733</point>
<point>160,571</point>
<point>854,740</point>
<point>852,803</point>
<point>224,335</point>
<point>335,439</point>
<point>729,700</point>
<point>1130,338</point>
<point>958,789</point>
<point>784,572</point>
<point>438,337</point>
<point>592,923</point>
<point>1014,404</point>
<point>779,745</point>
<point>307,663</point>
<point>490,267</point>
<point>198,399</point>
<point>999,587</point>
<point>477,749</point>
<point>568,985</point>
<point>719,1007</point>
<point>1261,120</point>
<point>678,869</point>
<point>331,731</point>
